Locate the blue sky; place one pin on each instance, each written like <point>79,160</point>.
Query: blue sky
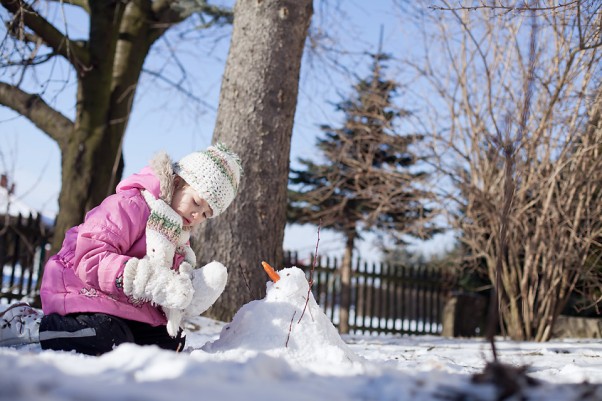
<point>166,119</point>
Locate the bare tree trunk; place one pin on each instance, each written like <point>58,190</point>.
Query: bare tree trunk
<point>255,118</point>
<point>81,175</point>
<point>108,67</point>
<point>346,268</point>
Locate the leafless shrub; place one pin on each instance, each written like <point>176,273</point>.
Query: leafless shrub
<point>516,132</point>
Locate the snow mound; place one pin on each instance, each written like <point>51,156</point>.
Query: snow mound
<point>285,324</point>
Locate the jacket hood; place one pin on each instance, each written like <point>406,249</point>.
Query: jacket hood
<point>157,178</point>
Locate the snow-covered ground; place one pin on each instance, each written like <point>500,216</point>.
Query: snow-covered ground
<point>280,348</point>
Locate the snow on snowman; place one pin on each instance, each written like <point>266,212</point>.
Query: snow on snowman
<point>285,324</point>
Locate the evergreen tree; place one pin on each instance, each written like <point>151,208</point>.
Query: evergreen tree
<point>369,179</point>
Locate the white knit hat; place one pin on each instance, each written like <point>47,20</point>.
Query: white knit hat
<point>214,173</point>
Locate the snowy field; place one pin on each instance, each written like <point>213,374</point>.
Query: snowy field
<point>279,349</point>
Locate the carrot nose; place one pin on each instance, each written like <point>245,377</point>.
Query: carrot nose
<point>271,272</point>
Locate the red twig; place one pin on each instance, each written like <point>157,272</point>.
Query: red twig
<point>311,273</point>
<point>244,277</point>
<point>290,328</point>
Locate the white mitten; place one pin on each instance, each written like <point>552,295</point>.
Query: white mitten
<point>175,316</point>
<point>209,282</point>
<point>148,281</point>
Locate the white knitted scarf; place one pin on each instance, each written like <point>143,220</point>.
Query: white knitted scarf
<point>166,236</point>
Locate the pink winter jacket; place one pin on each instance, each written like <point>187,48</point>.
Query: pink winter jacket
<point>81,277</point>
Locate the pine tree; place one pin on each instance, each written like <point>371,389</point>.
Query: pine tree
<point>369,179</point>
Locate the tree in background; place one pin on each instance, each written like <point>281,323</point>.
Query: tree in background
<point>258,99</point>
<point>368,180</point>
<point>512,102</point>
<point>107,66</point>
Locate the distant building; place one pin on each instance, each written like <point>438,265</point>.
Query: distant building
<point>10,205</point>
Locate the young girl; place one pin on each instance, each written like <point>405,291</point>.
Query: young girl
<point>126,273</point>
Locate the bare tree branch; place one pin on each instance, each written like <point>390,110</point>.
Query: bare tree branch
<point>529,192</point>
<point>26,16</point>
<point>50,121</point>
<point>168,13</point>
<point>500,6</point>
<point>83,4</point>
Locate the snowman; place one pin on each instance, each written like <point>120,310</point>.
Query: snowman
<point>287,322</point>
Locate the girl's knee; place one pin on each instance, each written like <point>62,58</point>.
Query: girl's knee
<point>89,333</point>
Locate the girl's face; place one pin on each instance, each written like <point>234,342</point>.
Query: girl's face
<point>188,204</point>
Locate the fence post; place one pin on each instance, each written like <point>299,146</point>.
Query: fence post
<point>384,298</point>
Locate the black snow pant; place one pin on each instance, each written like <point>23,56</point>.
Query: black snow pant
<point>97,333</point>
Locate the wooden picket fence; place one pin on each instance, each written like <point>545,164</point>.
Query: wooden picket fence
<point>385,298</point>
<point>23,248</point>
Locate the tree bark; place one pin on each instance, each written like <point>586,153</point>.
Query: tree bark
<point>92,162</point>
<point>85,173</point>
<point>255,119</point>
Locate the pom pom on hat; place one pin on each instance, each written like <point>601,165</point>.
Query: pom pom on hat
<point>214,173</point>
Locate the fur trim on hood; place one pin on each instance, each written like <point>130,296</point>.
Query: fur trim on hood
<point>162,166</point>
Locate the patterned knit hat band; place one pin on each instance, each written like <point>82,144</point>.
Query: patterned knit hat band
<point>214,174</point>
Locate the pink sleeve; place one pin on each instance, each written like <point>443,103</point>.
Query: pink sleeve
<point>106,239</point>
